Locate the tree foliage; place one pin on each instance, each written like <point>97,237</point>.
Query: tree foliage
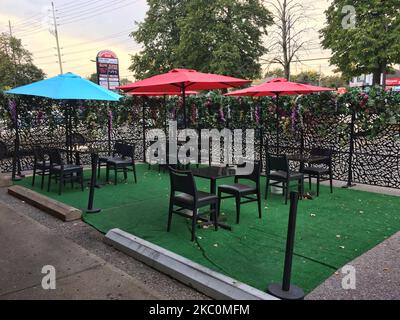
<point>372,45</point>
<point>16,65</point>
<point>221,36</point>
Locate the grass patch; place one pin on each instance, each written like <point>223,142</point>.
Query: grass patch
<point>332,230</point>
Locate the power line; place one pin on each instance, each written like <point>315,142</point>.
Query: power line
<point>84,43</point>
<point>90,9</point>
<point>97,13</point>
<point>73,4</point>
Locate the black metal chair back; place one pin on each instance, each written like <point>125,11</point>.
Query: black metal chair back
<point>118,148</point>
<point>39,153</point>
<point>324,153</point>
<point>277,163</point>
<point>254,175</point>
<point>183,181</point>
<point>127,151</point>
<point>55,157</point>
<point>77,139</point>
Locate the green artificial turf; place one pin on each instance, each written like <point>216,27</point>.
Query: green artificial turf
<point>331,230</point>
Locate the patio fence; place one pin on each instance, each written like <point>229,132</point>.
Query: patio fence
<point>376,159</point>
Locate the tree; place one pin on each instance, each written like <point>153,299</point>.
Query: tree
<point>334,81</point>
<point>308,77</point>
<point>287,37</point>
<point>159,35</point>
<point>221,36</point>
<point>16,65</point>
<point>93,78</point>
<point>124,81</point>
<point>365,39</point>
<point>275,73</point>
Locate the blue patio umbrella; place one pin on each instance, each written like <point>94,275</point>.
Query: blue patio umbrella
<point>67,86</point>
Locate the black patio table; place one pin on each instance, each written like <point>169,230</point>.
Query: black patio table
<point>214,173</point>
<point>304,158</point>
<point>78,153</point>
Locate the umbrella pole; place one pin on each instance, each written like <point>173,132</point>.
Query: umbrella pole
<point>16,148</point>
<point>165,113</point>
<point>67,133</point>
<point>350,183</point>
<point>109,130</point>
<point>70,133</point>
<point>184,105</point>
<point>261,137</point>
<point>277,124</point>
<point>144,128</point>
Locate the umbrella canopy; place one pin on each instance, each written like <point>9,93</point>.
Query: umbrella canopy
<point>178,80</point>
<point>277,87</point>
<point>181,80</point>
<point>160,94</point>
<point>67,86</point>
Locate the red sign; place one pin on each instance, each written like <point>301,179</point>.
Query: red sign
<point>106,54</point>
<point>108,69</point>
<point>393,82</point>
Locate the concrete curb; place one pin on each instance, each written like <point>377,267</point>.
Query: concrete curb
<point>55,208</point>
<point>205,280</point>
<point>5,181</point>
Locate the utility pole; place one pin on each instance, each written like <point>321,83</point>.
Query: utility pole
<point>57,40</point>
<point>13,53</point>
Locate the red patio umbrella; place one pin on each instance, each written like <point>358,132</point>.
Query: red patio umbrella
<point>180,80</point>
<point>278,87</point>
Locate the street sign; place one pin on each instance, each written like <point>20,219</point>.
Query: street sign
<point>107,69</point>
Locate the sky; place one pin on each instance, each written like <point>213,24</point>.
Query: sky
<point>86,27</point>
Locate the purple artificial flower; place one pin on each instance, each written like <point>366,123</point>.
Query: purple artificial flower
<point>12,105</point>
<point>257,114</point>
<point>39,118</point>
<point>173,113</point>
<point>81,106</point>
<point>194,113</point>
<point>221,114</point>
<point>294,118</point>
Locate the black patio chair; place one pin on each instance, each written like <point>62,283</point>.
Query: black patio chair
<point>77,140</point>
<point>63,172</point>
<point>322,169</point>
<point>185,196</point>
<point>278,170</point>
<point>239,191</point>
<point>41,166</point>
<point>3,150</point>
<point>123,164</point>
<point>104,159</point>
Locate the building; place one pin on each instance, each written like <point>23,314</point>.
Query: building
<point>392,80</point>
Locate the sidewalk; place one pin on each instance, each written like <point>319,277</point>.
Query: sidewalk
<point>27,246</point>
<point>377,276</point>
<point>377,271</point>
